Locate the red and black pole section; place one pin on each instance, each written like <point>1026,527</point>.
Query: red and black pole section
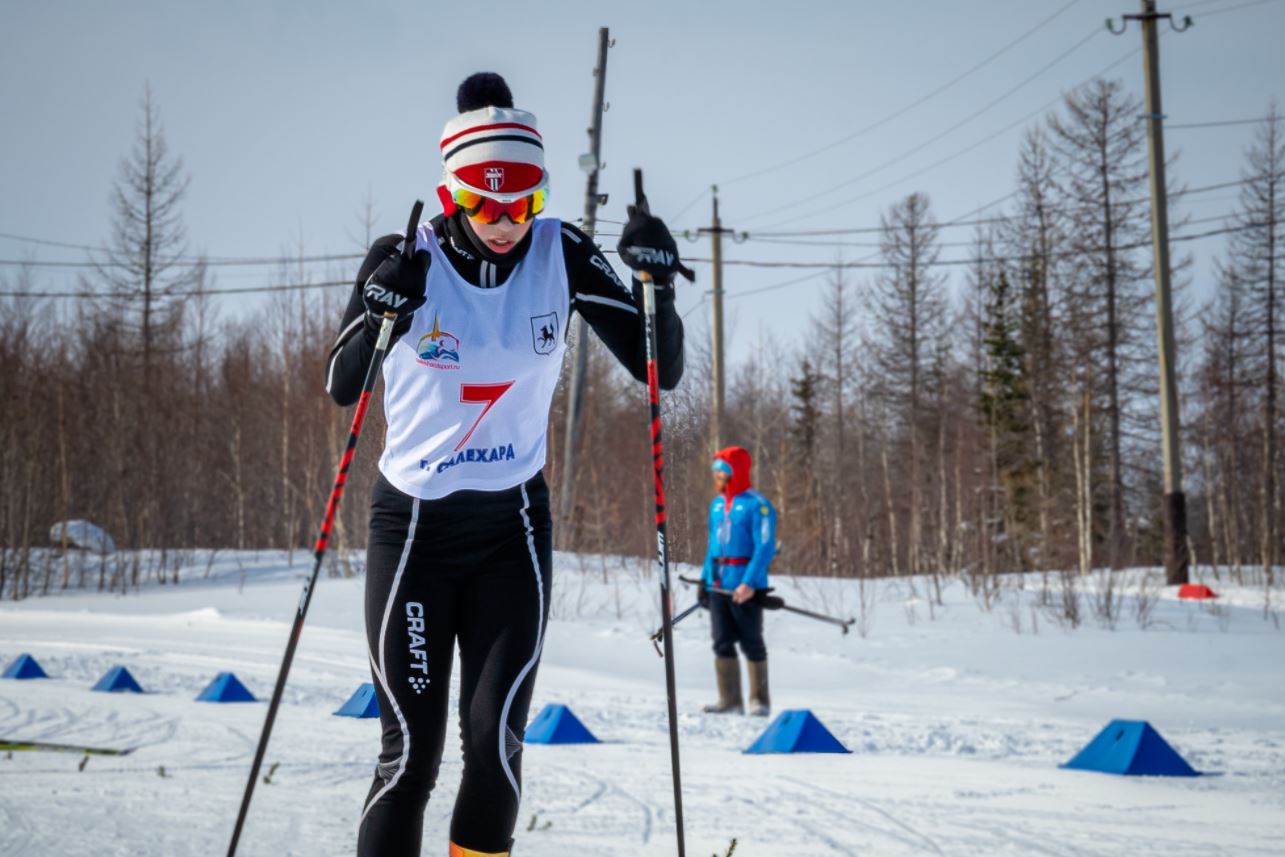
<point>662,555</point>
<point>323,539</point>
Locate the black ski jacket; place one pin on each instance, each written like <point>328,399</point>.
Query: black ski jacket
<point>596,293</point>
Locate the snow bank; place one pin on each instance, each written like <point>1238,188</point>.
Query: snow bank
<point>959,711</point>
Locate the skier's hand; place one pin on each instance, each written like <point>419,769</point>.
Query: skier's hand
<point>397,286</point>
<point>743,594</point>
<point>702,597</point>
<point>646,245</point>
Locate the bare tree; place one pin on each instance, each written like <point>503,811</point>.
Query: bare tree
<point>143,266</point>
<point>1035,236</point>
<point>1103,180</point>
<point>141,275</point>
<point>909,314</point>
<point>836,338</point>
<point>1255,250</point>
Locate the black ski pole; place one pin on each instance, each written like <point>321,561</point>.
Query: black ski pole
<point>660,632</point>
<point>776,602</point>
<point>844,624</point>
<point>662,557</point>
<point>323,540</point>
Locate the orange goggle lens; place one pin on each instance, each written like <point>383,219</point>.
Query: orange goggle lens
<point>486,210</point>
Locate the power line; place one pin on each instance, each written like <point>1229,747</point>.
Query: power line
<point>216,263</point>
<point>947,263</point>
<point>699,304</point>
<point>940,135</point>
<point>688,207</point>
<point>961,152</point>
<point>762,237</point>
<point>1225,9</point>
<point>1222,124</point>
<point>754,263</point>
<point>1191,7</point>
<point>961,221</point>
<point>775,286</point>
<point>900,111</point>
<point>1007,128</point>
<point>792,242</point>
<point>994,202</point>
<point>49,243</point>
<point>186,293</point>
<point>213,261</point>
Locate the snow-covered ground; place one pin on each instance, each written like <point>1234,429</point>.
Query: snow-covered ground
<point>958,717</point>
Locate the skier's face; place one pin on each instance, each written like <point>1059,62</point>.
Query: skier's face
<point>720,481</point>
<point>501,236</point>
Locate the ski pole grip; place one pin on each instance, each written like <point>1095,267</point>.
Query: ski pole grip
<point>412,226</point>
<point>640,198</point>
<point>385,332</point>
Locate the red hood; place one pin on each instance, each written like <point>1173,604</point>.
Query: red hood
<point>739,460</point>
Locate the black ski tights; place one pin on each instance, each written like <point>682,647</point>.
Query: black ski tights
<point>472,567</point>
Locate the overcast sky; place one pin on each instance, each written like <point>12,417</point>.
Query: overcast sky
<point>287,114</point>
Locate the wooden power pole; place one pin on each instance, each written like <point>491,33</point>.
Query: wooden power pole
<point>716,231</point>
<point>1177,557</point>
<point>577,335</point>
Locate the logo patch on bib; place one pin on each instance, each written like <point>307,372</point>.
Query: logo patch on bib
<point>544,332</point>
<point>438,348</point>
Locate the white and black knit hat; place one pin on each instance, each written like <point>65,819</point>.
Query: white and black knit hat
<point>490,147</point>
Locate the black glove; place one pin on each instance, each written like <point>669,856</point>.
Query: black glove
<point>646,245</point>
<point>397,286</point>
<point>767,601</point>
<point>702,597</point>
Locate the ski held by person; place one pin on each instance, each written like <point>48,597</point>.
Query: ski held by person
<point>742,542</point>
<point>460,543</point>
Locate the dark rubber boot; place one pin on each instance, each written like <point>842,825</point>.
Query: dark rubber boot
<point>760,701</point>
<point>728,672</point>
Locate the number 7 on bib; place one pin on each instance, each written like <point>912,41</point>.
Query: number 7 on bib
<point>480,394</point>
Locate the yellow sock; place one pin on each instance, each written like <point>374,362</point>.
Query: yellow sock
<point>461,851</point>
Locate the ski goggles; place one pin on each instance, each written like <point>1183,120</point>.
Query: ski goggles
<point>484,209</point>
<point>721,466</point>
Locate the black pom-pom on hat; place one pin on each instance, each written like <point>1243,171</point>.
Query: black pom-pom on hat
<point>484,89</point>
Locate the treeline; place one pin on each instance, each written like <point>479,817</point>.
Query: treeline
<point>938,418</point>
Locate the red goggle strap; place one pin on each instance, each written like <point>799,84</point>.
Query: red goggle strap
<point>447,199</point>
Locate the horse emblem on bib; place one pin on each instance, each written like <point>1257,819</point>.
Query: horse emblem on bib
<point>544,332</point>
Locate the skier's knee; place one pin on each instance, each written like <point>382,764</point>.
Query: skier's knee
<point>413,778</point>
<point>754,650</point>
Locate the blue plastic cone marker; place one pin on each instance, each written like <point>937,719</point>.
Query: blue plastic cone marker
<point>363,703</point>
<point>24,666</point>
<point>225,688</point>
<point>1131,748</point>
<point>797,731</point>
<point>118,680</point>
<point>555,724</point>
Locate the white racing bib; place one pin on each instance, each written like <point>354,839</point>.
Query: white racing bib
<point>467,389</point>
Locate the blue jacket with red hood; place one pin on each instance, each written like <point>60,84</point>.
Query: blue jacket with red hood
<point>742,529</point>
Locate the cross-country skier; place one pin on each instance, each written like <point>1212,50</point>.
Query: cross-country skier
<point>460,533</point>
<point>742,540</point>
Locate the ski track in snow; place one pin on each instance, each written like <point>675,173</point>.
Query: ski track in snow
<point>828,799</point>
<point>957,726</point>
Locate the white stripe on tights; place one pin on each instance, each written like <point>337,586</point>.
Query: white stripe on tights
<point>381,672</point>
<point>535,656</point>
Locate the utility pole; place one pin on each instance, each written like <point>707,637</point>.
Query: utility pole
<point>1177,557</point>
<point>715,231</point>
<point>577,335</point>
